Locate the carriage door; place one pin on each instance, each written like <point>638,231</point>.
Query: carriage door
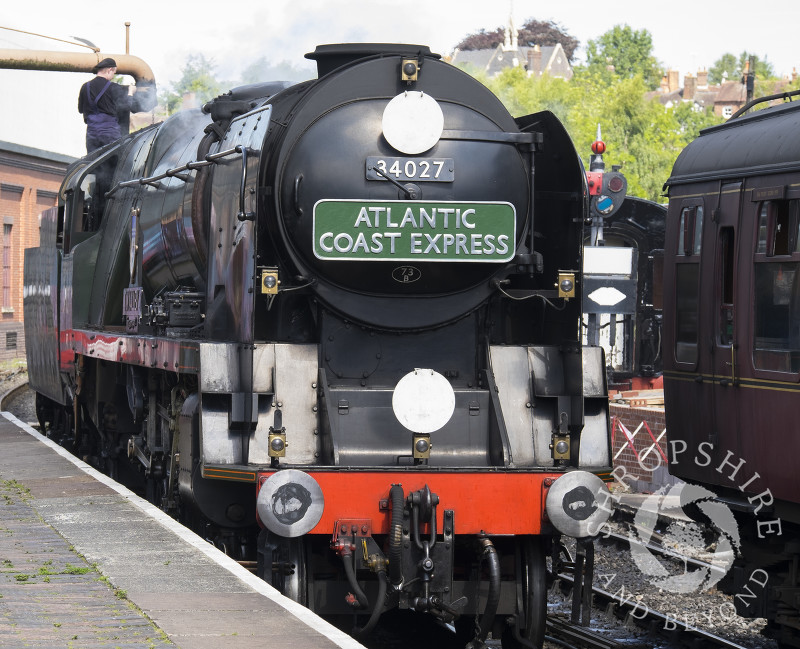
<point>724,338</point>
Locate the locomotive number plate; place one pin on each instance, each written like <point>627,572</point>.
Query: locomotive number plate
<point>440,170</point>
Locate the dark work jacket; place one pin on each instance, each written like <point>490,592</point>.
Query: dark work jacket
<point>105,107</point>
<point>114,99</point>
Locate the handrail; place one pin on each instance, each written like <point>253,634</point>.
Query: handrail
<point>176,172</point>
<point>761,100</point>
<point>242,215</point>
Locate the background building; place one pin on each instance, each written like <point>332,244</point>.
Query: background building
<point>537,60</point>
<point>724,99</point>
<point>29,182</point>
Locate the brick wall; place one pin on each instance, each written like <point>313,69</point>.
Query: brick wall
<point>648,472</point>
<point>29,183</point>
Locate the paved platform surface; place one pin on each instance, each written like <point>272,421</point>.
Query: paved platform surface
<point>85,563</point>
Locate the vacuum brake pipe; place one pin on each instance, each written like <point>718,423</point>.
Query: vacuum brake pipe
<point>397,499</point>
<point>377,610</point>
<point>349,571</point>
<point>490,553</point>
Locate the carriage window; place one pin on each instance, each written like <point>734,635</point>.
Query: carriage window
<point>727,259</point>
<point>687,276</point>
<point>690,235</point>
<point>796,228</point>
<point>658,279</point>
<point>698,230</point>
<point>776,340</point>
<point>761,245</point>
<point>778,228</point>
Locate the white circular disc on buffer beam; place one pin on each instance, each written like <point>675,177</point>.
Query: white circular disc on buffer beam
<point>423,401</point>
<point>413,122</point>
<point>290,503</point>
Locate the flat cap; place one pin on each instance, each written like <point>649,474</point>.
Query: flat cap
<point>105,63</point>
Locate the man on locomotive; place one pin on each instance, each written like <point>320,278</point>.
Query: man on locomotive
<point>100,101</point>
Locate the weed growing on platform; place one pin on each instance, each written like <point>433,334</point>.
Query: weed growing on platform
<point>75,570</point>
<point>20,489</point>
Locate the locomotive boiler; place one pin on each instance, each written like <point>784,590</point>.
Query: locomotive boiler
<point>335,327</point>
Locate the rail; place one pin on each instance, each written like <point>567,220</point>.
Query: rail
<point>665,552</point>
<point>761,100</point>
<point>176,172</point>
<point>11,394</point>
<point>631,609</point>
<point>564,633</point>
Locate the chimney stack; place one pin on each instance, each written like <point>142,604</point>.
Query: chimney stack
<point>689,87</point>
<point>702,79</point>
<point>535,61</point>
<point>672,76</point>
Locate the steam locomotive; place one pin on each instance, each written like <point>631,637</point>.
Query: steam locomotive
<point>732,346</point>
<point>335,327</point>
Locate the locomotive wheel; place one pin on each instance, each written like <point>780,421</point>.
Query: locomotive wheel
<point>283,563</point>
<point>531,594</point>
<point>294,575</point>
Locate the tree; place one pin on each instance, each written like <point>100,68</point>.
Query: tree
<point>197,78</point>
<point>539,32</point>
<point>763,68</point>
<point>533,32</point>
<point>730,68</point>
<point>262,70</point>
<point>725,68</point>
<point>482,40</point>
<point>691,119</point>
<point>521,96</point>
<point>642,136</point>
<point>626,53</point>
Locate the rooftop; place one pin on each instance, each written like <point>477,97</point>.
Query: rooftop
<point>19,149</point>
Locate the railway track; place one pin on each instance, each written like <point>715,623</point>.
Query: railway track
<point>631,610</point>
<point>562,632</point>
<point>11,394</point>
<point>687,561</point>
<point>624,605</point>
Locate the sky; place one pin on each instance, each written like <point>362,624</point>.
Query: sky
<point>39,109</point>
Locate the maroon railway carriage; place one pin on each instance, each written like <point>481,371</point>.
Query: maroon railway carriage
<point>732,345</point>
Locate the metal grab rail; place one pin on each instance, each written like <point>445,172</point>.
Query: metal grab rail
<point>761,100</point>
<point>242,215</point>
<point>177,172</point>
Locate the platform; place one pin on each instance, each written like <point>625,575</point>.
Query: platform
<point>84,562</point>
